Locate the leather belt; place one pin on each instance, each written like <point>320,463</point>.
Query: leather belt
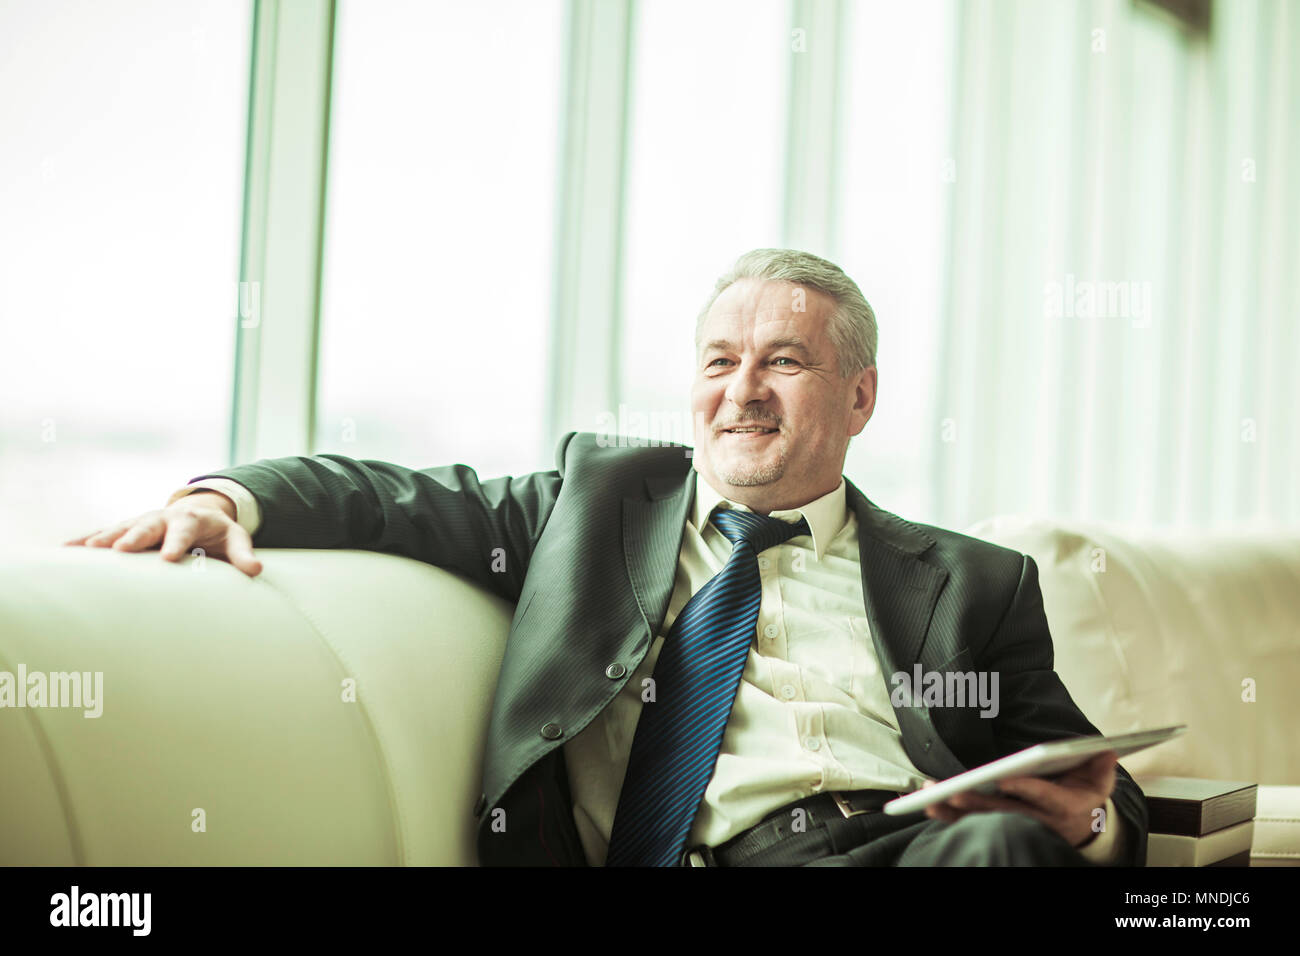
<point>820,809</point>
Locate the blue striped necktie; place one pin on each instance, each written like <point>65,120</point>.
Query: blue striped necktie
<point>696,677</point>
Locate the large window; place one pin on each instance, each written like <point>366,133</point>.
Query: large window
<point>526,202</point>
<point>120,189</point>
<point>898,173</point>
<point>438,250</point>
<point>706,157</point>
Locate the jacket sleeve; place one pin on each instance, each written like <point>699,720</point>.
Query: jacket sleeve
<point>445,516</point>
<point>1035,707</point>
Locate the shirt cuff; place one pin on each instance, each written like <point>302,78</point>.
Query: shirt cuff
<point>248,515</point>
<point>1108,845</point>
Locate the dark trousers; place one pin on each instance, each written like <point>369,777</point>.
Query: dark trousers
<point>992,838</point>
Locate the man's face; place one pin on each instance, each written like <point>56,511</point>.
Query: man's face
<point>766,364</point>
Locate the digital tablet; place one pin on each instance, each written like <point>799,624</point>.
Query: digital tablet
<point>1040,760</point>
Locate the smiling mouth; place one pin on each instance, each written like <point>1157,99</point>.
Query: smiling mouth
<point>749,430</point>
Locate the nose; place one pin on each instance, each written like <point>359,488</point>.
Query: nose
<point>748,384</point>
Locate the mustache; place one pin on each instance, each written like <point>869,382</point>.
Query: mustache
<point>749,420</point>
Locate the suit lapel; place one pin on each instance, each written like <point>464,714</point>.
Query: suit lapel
<point>899,592</point>
<point>653,528</point>
<point>899,589</point>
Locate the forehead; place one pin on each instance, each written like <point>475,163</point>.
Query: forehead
<point>761,309</point>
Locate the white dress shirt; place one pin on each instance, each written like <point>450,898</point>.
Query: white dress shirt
<point>812,711</point>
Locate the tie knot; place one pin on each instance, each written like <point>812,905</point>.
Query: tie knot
<point>760,531</point>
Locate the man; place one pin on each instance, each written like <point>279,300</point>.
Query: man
<point>707,646</point>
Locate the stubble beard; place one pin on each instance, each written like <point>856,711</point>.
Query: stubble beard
<point>748,475</point>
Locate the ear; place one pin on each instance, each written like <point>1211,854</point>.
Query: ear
<point>864,400</point>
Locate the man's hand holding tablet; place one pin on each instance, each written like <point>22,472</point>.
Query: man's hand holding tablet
<point>1065,803</point>
<point>1061,783</point>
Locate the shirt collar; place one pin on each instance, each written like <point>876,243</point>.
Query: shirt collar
<point>825,515</point>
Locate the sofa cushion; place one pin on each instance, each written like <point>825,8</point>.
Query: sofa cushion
<point>1157,629</point>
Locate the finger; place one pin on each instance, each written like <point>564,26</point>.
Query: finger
<point>1105,781</point>
<point>986,802</point>
<point>943,811</point>
<point>143,534</point>
<point>1055,802</point>
<point>1094,768</point>
<point>980,803</point>
<point>1094,765</point>
<point>1096,775</point>
<point>105,538</point>
<point>239,551</point>
<point>951,806</point>
<point>1033,789</point>
<point>1103,766</point>
<point>180,535</point>
<point>81,540</point>
<point>1043,794</point>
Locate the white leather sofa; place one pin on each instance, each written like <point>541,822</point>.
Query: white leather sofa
<point>1175,630</point>
<point>333,710</point>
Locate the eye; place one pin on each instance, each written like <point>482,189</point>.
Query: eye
<point>786,358</point>
<point>717,360</point>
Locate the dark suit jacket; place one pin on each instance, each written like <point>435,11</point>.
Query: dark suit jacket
<point>589,552</point>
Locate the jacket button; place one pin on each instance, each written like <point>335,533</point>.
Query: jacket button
<point>552,732</point>
<point>615,671</point>
<point>480,805</point>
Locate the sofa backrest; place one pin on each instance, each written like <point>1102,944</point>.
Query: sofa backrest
<point>1158,628</point>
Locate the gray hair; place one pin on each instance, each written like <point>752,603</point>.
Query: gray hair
<point>851,327</point>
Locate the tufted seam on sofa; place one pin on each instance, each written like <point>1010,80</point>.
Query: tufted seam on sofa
<point>390,784</point>
<point>56,776</point>
<point>1090,536</point>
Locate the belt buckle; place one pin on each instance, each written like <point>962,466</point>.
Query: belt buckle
<point>846,808</point>
<point>699,856</point>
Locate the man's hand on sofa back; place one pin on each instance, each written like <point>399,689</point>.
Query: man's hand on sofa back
<point>204,519</point>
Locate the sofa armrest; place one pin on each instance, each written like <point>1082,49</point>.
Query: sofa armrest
<point>1277,827</point>
<point>331,710</point>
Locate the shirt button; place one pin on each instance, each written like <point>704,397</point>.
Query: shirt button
<point>771,630</point>
<point>552,731</point>
<point>764,563</point>
<point>788,692</point>
<point>812,743</point>
<point>615,671</point>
